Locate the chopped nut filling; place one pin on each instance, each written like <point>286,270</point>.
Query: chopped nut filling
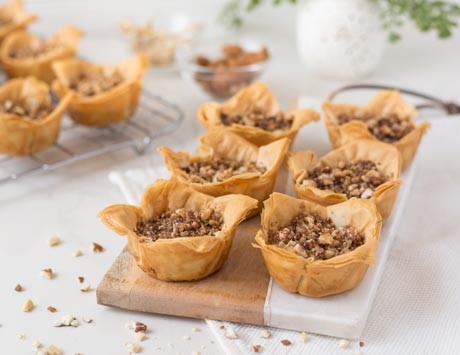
<point>35,50</point>
<point>358,178</point>
<point>388,129</point>
<point>181,223</point>
<point>31,108</point>
<point>313,237</point>
<point>258,119</point>
<point>96,82</point>
<point>219,170</point>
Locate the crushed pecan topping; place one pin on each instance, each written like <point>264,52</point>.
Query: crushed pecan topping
<point>257,118</point>
<point>219,169</point>
<point>358,178</point>
<point>30,108</point>
<point>388,129</point>
<point>34,50</point>
<point>96,82</point>
<point>316,238</point>
<point>181,223</point>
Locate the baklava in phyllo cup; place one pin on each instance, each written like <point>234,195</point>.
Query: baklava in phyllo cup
<point>364,169</point>
<point>228,164</point>
<point>13,17</point>
<point>29,119</point>
<point>386,118</point>
<point>254,114</point>
<point>103,94</point>
<point>23,54</point>
<point>314,250</point>
<point>179,234</point>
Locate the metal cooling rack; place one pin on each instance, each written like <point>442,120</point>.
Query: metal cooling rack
<point>155,117</point>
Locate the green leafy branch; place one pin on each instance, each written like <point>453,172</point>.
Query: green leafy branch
<point>440,17</point>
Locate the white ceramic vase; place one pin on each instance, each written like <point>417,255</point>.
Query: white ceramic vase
<point>340,38</point>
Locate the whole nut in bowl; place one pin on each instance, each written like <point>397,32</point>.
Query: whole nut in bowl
<point>224,69</point>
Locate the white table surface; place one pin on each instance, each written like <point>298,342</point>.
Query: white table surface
<point>64,203</point>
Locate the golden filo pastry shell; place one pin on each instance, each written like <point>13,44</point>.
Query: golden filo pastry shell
<point>218,143</point>
<point>22,135</point>
<point>178,259</point>
<point>38,66</point>
<point>319,278</point>
<point>14,9</point>
<point>258,96</point>
<point>109,107</point>
<point>386,157</point>
<point>383,104</point>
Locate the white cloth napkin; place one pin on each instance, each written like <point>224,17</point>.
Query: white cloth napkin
<point>416,310</point>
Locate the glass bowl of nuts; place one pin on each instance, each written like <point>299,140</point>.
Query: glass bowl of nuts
<point>220,70</point>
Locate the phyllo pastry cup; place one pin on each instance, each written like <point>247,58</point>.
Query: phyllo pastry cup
<point>386,158</point>
<point>318,278</point>
<point>388,104</point>
<point>220,144</point>
<point>13,17</point>
<point>101,107</point>
<point>23,54</point>
<point>22,135</point>
<point>256,97</point>
<point>183,258</point>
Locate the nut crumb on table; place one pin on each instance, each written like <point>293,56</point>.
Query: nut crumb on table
<point>97,248</point>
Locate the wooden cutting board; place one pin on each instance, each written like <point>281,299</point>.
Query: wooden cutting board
<point>234,293</point>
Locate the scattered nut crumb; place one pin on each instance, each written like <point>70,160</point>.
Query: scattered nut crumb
<point>286,342</point>
<point>256,348</point>
<point>140,327</point>
<point>87,320</point>
<point>133,347</point>
<point>304,337</point>
<point>81,279</point>
<point>77,253</point>
<point>52,309</point>
<point>54,241</point>
<point>19,288</point>
<point>47,274</point>
<point>230,334</point>
<point>344,343</point>
<point>20,336</point>
<point>186,337</point>
<point>139,336</point>
<point>361,344</point>
<point>28,306</point>
<point>86,288</point>
<point>221,326</point>
<point>196,329</point>
<point>52,350</point>
<point>67,321</point>
<point>265,334</point>
<point>97,248</point>
<point>36,345</point>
